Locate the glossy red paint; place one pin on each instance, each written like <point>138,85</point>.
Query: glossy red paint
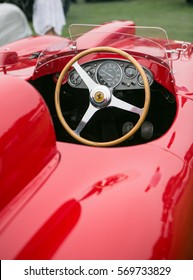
<point>32,44</point>
<point>27,138</point>
<point>69,201</point>
<point>117,211</point>
<point>7,59</point>
<point>28,50</point>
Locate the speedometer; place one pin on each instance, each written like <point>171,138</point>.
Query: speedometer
<point>109,74</point>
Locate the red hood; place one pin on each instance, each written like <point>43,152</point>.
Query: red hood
<point>28,50</point>
<point>124,207</point>
<point>32,44</point>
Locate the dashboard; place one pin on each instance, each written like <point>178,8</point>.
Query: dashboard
<point>116,74</point>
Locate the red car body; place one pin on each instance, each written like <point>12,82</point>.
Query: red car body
<point>65,200</point>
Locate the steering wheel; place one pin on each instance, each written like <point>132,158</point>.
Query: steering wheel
<point>101,97</point>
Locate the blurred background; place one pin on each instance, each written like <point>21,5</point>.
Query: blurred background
<point>175,16</point>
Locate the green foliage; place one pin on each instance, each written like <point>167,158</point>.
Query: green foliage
<point>175,16</point>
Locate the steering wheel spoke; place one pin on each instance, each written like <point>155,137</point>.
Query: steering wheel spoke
<point>118,103</point>
<point>85,77</point>
<point>85,119</point>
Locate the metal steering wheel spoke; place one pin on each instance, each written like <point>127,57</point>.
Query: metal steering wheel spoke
<point>85,119</point>
<point>118,103</point>
<point>85,77</point>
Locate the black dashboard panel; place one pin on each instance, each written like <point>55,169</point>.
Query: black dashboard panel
<point>116,74</point>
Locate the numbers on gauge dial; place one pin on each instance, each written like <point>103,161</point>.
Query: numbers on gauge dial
<point>109,74</point>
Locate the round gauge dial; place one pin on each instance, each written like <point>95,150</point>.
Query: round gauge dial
<point>130,72</point>
<point>140,80</point>
<point>74,79</point>
<point>109,74</point>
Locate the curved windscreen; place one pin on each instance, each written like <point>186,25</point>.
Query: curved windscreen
<point>146,42</point>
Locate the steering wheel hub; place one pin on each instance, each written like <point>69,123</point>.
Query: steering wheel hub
<point>100,97</point>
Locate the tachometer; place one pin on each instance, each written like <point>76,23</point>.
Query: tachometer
<point>109,74</point>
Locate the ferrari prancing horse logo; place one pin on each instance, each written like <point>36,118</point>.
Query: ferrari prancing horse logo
<point>99,97</point>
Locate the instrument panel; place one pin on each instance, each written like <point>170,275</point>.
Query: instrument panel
<point>116,74</point>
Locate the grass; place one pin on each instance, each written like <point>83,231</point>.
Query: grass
<point>175,16</point>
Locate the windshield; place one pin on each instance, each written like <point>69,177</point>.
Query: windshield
<point>149,42</point>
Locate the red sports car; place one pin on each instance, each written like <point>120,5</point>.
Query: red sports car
<point>96,145</point>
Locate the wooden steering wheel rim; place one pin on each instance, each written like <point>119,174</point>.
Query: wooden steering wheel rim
<point>146,101</point>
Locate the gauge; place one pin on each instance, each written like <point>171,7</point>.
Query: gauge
<point>127,126</point>
<point>109,74</point>
<point>130,72</point>
<point>56,77</point>
<point>140,80</point>
<point>74,79</point>
<point>149,78</point>
<point>90,71</point>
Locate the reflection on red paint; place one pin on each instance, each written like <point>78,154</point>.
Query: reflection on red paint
<point>184,100</point>
<point>155,179</point>
<point>171,140</point>
<point>110,181</point>
<point>50,236</point>
<point>171,197</point>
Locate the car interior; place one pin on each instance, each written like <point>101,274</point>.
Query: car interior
<point>109,123</point>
